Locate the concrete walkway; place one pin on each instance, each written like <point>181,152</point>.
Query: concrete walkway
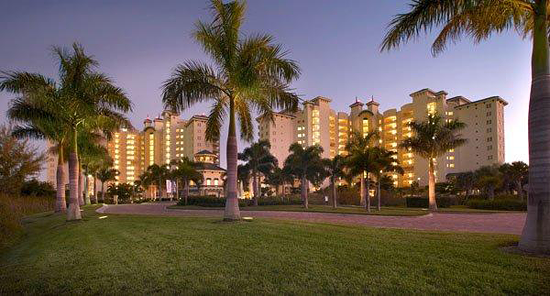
<point>510,223</point>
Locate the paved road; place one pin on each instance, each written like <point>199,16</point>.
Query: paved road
<point>511,223</point>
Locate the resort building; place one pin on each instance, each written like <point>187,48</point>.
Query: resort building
<point>162,139</point>
<point>317,123</point>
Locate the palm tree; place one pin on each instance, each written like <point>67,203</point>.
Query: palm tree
<point>387,163</point>
<point>335,170</point>
<point>361,161</point>
<point>46,129</point>
<point>91,152</point>
<point>307,165</point>
<point>243,176</point>
<point>479,19</point>
<point>278,178</point>
<point>433,138</point>
<point>465,181</point>
<point>515,172</point>
<point>146,180</point>
<point>251,73</point>
<point>260,160</point>
<point>159,175</point>
<point>106,174</point>
<point>80,97</point>
<point>186,170</point>
<point>488,179</point>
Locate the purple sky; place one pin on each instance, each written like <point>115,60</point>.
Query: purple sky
<point>336,43</point>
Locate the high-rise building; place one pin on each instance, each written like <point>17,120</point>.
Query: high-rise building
<point>162,139</point>
<point>317,123</point>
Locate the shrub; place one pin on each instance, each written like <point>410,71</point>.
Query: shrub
<point>14,208</point>
<point>422,202</point>
<point>500,204</point>
<point>209,201</point>
<point>276,201</point>
<point>37,188</point>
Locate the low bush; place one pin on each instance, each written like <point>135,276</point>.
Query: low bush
<point>277,201</point>
<point>14,208</point>
<point>209,201</point>
<point>500,204</point>
<point>422,202</point>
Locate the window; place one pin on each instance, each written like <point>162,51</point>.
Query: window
<point>488,113</point>
<point>490,147</point>
<point>216,182</point>
<point>208,182</point>
<point>488,122</point>
<point>488,105</point>
<point>489,157</point>
<point>489,130</point>
<point>490,139</point>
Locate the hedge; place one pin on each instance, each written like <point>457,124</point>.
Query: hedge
<point>500,204</point>
<point>212,201</point>
<point>420,202</point>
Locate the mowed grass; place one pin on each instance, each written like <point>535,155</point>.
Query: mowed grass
<point>167,255</point>
<point>385,211</point>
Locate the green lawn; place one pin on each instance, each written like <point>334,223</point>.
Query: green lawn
<point>386,211</point>
<point>145,255</point>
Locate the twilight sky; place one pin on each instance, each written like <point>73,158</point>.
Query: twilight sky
<point>336,43</point>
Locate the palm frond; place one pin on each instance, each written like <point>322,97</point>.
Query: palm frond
<point>477,19</point>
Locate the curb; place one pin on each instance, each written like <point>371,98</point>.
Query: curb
<point>102,209</point>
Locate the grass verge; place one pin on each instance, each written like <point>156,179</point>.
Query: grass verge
<point>144,255</point>
<point>385,211</point>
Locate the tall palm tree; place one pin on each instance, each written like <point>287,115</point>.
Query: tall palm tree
<point>361,161</point>
<point>479,19</point>
<point>387,163</point>
<point>259,160</point>
<point>159,175</point>
<point>106,174</point>
<point>307,165</point>
<point>250,73</point>
<point>80,96</point>
<point>186,170</point>
<point>431,139</point>
<point>335,170</point>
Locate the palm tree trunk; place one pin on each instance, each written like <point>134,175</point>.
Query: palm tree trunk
<point>334,194</point>
<point>231,212</point>
<point>363,201</point>
<point>255,185</point>
<point>431,186</point>
<point>367,193</point>
<point>103,191</point>
<point>177,190</point>
<point>536,232</point>
<point>186,191</point>
<point>95,189</point>
<point>519,189</point>
<point>60,202</point>
<point>378,205</point>
<point>73,213</point>
<point>303,192</point>
<point>86,185</point>
<point>80,186</point>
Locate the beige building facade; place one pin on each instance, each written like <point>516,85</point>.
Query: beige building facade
<point>161,140</point>
<point>317,123</point>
